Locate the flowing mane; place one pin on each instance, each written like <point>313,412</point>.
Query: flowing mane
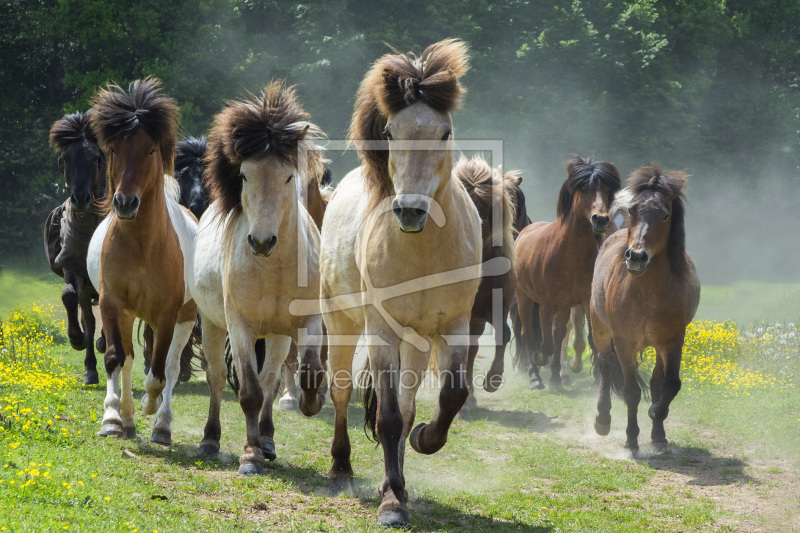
<point>272,125</point>
<point>587,173</point>
<point>71,129</point>
<point>482,183</point>
<point>394,82</point>
<point>670,185</point>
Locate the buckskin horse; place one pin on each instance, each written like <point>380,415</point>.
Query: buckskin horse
<point>138,257</point>
<point>554,260</point>
<point>420,276</point>
<point>70,226</point>
<point>254,244</point>
<point>645,292</point>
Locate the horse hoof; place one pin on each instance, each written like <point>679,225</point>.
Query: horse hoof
<point>341,485</point>
<point>288,403</point>
<point>314,408</point>
<point>129,433</point>
<point>393,514</point>
<point>111,429</point>
<point>632,445</point>
<point>555,384</point>
<point>250,469</point>
<point>576,367</point>
<point>602,429</point>
<point>90,378</point>
<point>653,416</point>
<point>161,437</point>
<point>660,445</point>
<point>565,379</point>
<point>209,447</point>
<point>268,449</point>
<point>79,345</point>
<point>100,344</point>
<point>536,384</point>
<point>471,403</point>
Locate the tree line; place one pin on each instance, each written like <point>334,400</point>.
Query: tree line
<point>709,85</point>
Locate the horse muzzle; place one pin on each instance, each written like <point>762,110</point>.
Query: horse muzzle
<point>599,224</point>
<point>80,203</point>
<point>636,261</point>
<point>412,216</point>
<point>262,248</point>
<point>126,207</point>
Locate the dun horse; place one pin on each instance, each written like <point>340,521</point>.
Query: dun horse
<point>420,276</point>
<point>645,292</point>
<point>70,226</point>
<point>253,243</point>
<point>138,257</point>
<point>489,188</point>
<point>554,260</point>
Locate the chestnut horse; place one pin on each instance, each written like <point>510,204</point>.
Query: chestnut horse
<point>138,257</point>
<point>70,226</point>
<point>554,260</point>
<point>645,292</point>
<point>246,264</point>
<point>485,186</point>
<point>419,279</point>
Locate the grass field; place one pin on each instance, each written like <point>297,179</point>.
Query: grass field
<point>523,461</point>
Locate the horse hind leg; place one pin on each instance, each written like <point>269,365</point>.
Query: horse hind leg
<point>71,299</point>
<point>560,321</point>
<point>90,376</point>
<point>276,349</point>
<point>502,336</point>
<point>216,372</point>
<point>564,354</point>
<point>289,401</point>
<point>311,373</point>
<point>529,338</point>
<point>475,330</point>
<point>578,321</point>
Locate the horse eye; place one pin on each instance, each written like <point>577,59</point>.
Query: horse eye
<point>289,178</point>
<point>447,136</point>
<point>241,175</point>
<point>152,151</point>
<point>112,151</point>
<point>665,217</point>
<point>388,135</point>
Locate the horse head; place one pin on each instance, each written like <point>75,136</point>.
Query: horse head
<point>189,169</point>
<point>80,160</point>
<point>589,191</point>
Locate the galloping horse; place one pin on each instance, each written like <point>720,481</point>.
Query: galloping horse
<point>70,226</point>
<point>485,186</point>
<point>554,260</point>
<point>251,246</point>
<point>645,292</point>
<point>138,257</point>
<point>419,277</point>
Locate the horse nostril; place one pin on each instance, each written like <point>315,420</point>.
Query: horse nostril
<point>594,218</point>
<point>419,213</point>
<point>134,203</point>
<point>628,253</point>
<point>272,242</point>
<point>250,241</point>
<point>643,257</point>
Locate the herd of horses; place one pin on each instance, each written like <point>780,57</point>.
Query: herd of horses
<point>242,240</point>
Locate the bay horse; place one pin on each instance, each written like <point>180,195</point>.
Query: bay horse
<point>70,226</point>
<point>419,278</point>
<point>645,292</point>
<point>485,186</point>
<point>554,260</point>
<point>138,257</point>
<point>251,243</point>
<point>189,170</point>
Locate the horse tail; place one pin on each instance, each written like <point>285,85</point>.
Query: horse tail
<point>617,377</point>
<point>369,399</point>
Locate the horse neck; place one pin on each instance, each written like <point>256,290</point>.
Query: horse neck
<point>577,233</point>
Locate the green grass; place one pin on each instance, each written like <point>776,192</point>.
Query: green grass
<point>750,301</point>
<point>24,287</point>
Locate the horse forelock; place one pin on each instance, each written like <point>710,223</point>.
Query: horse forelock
<point>586,172</point>
<point>70,129</point>
<point>119,113</point>
<point>394,82</point>
<point>271,125</point>
<point>190,151</point>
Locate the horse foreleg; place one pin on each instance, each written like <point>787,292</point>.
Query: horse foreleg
<point>564,353</point>
<point>475,330</point>
<point>429,438</point>
<point>216,372</point>
<point>162,429</point>
<point>71,299</point>
<point>413,365</point>
<point>494,378</point>
<point>578,320</point>
<point>276,350</point>
<point>530,338</point>
<point>632,392</point>
<point>251,395</point>
<point>560,320</point>
<point>288,401</point>
<point>114,358</point>
<point>311,373</point>
<point>664,389</point>
<point>603,362</point>
<point>90,376</point>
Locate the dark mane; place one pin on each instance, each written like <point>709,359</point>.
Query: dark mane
<point>71,129</point>
<point>118,114</point>
<point>670,185</point>
<point>272,125</point>
<point>189,151</point>
<point>587,173</point>
<point>394,82</point>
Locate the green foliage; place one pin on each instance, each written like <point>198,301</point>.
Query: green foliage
<point>706,84</point>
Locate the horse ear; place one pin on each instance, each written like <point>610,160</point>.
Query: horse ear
<point>304,132</point>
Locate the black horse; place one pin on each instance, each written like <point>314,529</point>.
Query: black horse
<point>70,226</point>
<point>189,169</point>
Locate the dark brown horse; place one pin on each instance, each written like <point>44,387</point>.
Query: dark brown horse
<point>138,257</point>
<point>70,226</point>
<point>554,260</point>
<point>486,186</point>
<point>645,292</point>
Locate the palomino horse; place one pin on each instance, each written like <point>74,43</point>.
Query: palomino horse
<point>189,170</point>
<point>70,226</point>
<point>138,257</point>
<point>645,292</point>
<point>554,260</point>
<point>419,278</point>
<point>257,250</point>
<point>486,186</point>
